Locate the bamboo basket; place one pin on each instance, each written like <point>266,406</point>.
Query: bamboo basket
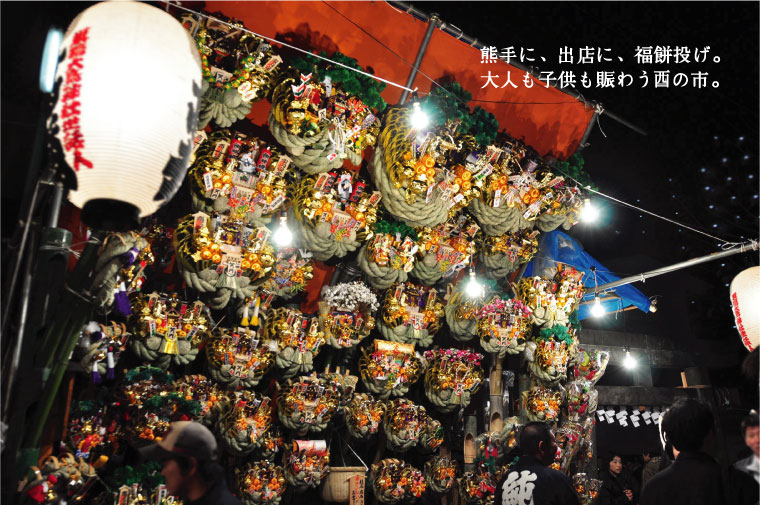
<point>336,484</point>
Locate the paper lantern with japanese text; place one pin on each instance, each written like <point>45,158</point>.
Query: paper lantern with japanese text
<point>745,302</point>
<point>126,105</point>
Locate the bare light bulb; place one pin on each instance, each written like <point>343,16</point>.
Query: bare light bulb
<point>474,288</point>
<point>629,362</point>
<point>596,309</point>
<point>283,236</point>
<point>419,117</point>
<point>590,213</point>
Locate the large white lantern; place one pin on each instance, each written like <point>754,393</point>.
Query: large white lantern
<point>745,301</point>
<point>126,108</point>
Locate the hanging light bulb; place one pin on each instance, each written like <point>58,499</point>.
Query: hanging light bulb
<point>629,362</point>
<point>283,236</point>
<point>419,117</point>
<point>474,288</point>
<point>590,213</point>
<point>596,309</point>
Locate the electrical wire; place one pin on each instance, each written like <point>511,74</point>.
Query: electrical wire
<point>722,242</point>
<point>360,27</point>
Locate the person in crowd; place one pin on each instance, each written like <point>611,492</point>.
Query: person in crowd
<point>530,481</point>
<point>744,475</point>
<point>653,464</point>
<point>188,456</point>
<point>694,478</point>
<point>751,436</point>
<point>618,485</point>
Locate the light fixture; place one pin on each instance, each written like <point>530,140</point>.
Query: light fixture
<point>283,236</point>
<point>590,213</point>
<point>596,309</point>
<point>419,118</point>
<point>50,59</point>
<point>474,288</point>
<point>629,362</point>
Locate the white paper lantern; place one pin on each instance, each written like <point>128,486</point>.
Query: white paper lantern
<point>128,92</point>
<point>745,302</point>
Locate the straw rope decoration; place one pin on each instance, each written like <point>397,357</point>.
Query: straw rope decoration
<point>392,145</point>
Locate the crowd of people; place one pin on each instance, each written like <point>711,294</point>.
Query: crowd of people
<point>682,474</point>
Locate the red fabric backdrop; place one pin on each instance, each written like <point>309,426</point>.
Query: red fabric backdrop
<point>554,126</point>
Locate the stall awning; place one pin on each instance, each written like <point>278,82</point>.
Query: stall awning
<point>557,247</point>
<point>548,120</point>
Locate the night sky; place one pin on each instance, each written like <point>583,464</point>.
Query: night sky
<point>697,165</point>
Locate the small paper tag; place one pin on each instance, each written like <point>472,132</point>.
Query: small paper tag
<point>272,63</point>
<point>497,198</point>
<point>220,75</point>
<point>356,490</point>
<point>282,165</point>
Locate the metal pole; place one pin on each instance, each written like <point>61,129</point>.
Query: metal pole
<point>586,135</point>
<point>27,223</point>
<point>25,295</point>
<point>55,207</point>
<point>432,23</point>
<point>752,246</point>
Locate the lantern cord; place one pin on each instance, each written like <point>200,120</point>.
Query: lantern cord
<point>294,47</point>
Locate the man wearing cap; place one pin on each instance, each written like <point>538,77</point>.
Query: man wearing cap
<point>188,457</point>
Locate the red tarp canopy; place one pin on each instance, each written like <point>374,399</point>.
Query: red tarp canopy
<point>546,119</point>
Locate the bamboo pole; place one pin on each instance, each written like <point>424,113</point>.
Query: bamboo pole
<point>62,336</point>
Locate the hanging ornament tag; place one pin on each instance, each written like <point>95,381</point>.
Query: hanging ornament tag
<point>198,139</point>
<point>161,493</point>
<point>356,490</point>
<point>328,85</point>
<point>220,75</point>
<point>497,198</point>
<point>170,342</point>
<point>282,165</point>
<point>272,63</point>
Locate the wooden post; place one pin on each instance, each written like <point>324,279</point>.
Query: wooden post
<point>496,414</point>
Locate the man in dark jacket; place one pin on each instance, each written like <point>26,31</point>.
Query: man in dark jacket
<point>188,455</point>
<point>529,481</point>
<point>694,478</point>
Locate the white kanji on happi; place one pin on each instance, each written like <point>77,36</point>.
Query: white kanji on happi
<point>518,488</point>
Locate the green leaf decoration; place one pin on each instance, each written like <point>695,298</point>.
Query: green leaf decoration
<point>573,167</point>
<point>557,332</point>
<point>392,227</point>
<point>449,102</point>
<point>148,373</point>
<point>366,88</point>
<point>184,406</point>
<point>148,475</point>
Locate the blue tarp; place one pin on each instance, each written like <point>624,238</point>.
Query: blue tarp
<point>559,247</point>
